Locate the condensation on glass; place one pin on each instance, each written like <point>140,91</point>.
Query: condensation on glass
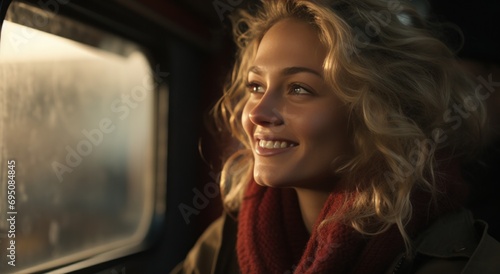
<point>77,116</point>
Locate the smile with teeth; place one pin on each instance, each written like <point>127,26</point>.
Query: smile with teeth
<point>274,144</point>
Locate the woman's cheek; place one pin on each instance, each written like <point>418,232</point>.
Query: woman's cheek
<point>245,120</point>
<point>325,130</point>
<point>313,125</point>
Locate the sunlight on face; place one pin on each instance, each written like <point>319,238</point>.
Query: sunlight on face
<point>296,123</point>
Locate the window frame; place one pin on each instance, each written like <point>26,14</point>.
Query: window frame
<point>115,19</point>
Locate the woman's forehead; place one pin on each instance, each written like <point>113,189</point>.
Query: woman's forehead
<point>290,43</point>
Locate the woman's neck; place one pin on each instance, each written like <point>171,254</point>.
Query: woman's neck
<point>311,203</point>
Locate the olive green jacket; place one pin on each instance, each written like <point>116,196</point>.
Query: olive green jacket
<point>456,243</point>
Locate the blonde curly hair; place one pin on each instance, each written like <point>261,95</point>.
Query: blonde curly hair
<point>401,85</point>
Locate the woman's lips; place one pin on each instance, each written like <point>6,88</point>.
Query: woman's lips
<point>273,147</point>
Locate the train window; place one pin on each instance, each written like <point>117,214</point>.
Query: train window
<point>77,135</point>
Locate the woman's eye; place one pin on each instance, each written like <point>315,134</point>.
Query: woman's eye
<point>255,88</point>
<point>296,89</point>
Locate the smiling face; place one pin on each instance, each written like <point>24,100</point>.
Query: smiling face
<point>296,123</point>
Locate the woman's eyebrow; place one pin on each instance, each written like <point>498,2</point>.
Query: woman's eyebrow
<point>287,71</point>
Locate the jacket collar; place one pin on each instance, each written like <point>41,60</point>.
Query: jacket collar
<point>458,239</point>
<point>451,236</point>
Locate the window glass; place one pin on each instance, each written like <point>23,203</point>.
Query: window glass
<point>76,131</point>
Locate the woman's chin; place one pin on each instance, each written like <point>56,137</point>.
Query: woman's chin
<point>270,182</point>
<point>275,182</point>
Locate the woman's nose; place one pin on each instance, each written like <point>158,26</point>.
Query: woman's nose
<point>266,112</point>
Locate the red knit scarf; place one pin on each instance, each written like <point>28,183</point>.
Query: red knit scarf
<point>272,237</point>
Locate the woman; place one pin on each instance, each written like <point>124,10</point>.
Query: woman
<point>353,121</point>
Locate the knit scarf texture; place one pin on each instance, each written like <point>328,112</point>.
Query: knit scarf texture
<point>272,237</point>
